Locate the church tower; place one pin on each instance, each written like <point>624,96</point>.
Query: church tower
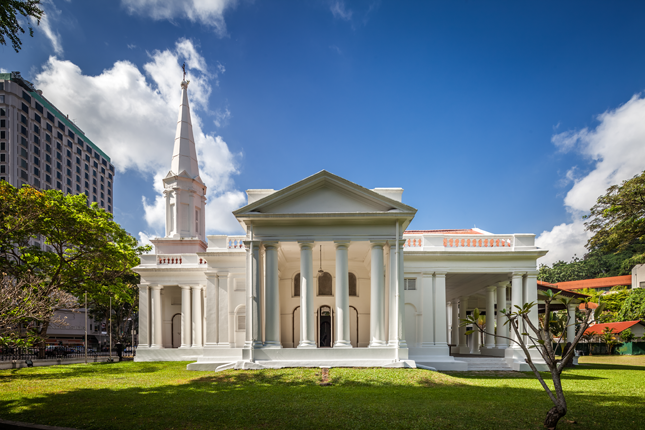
<point>184,191</point>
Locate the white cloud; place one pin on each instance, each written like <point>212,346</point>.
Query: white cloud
<point>222,117</point>
<point>340,11</point>
<point>133,118</point>
<point>616,150</point>
<point>51,14</point>
<point>206,12</point>
<point>131,46</point>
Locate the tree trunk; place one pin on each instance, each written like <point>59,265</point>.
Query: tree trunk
<point>552,417</point>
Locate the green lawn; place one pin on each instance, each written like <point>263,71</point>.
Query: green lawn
<point>166,396</point>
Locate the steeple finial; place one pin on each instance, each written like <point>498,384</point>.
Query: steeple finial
<point>184,82</point>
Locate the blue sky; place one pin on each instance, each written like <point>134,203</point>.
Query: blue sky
<point>511,116</point>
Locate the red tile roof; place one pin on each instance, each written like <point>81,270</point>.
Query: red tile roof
<point>611,281</point>
<point>617,327</point>
<point>588,305</point>
<point>445,231</point>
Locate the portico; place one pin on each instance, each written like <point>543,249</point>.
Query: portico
<point>325,274</point>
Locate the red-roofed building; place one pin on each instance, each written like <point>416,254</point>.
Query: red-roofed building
<point>637,327</point>
<point>604,283</point>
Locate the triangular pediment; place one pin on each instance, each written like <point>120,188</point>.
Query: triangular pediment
<point>324,193</point>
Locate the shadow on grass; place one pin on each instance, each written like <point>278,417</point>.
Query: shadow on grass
<point>67,371</point>
<point>357,399</point>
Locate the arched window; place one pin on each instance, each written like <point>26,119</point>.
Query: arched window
<point>353,291</point>
<point>296,285</point>
<point>324,284</point>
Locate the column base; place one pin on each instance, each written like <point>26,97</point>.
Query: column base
<point>397,344</point>
<point>492,345</point>
<point>272,344</point>
<point>252,344</point>
<point>196,346</point>
<point>377,344</point>
<point>501,346</point>
<point>184,347</point>
<point>307,344</point>
<point>222,345</point>
<point>156,346</point>
<point>342,344</point>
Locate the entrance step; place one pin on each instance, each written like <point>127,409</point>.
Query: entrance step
<point>476,364</point>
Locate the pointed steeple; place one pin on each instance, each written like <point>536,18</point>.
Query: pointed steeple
<point>184,156</point>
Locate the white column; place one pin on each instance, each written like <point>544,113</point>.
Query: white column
<point>440,318</point>
<point>191,213</point>
<point>516,300</point>
<point>223,280</point>
<point>377,299</point>
<point>392,315</point>
<point>490,316</point>
<point>502,327</point>
<point>157,340</point>
<point>197,316</point>
<point>186,321</point>
<point>177,213</point>
<point>253,315</point>
<point>401,313</point>
<point>211,310</point>
<point>144,316</point>
<point>454,339</point>
<point>463,307</point>
<point>474,344</point>
<point>272,297</point>
<point>307,336</point>
<point>342,296</point>
<point>571,327</point>
<point>531,296</point>
<point>427,304</point>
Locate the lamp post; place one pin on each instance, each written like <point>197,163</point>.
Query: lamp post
<point>85,328</point>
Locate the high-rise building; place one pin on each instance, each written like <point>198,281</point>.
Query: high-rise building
<point>41,147</point>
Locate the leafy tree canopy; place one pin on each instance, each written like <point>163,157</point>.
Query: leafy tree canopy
<point>634,307</point>
<point>10,24</point>
<point>617,220</point>
<point>66,245</point>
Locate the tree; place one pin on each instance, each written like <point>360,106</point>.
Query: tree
<point>83,249</point>
<point>627,335</point>
<point>609,338</point>
<point>10,24</point>
<point>541,338</point>
<point>634,306</point>
<point>617,220</point>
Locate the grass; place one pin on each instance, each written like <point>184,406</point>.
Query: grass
<point>166,396</point>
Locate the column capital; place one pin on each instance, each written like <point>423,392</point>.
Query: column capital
<point>197,287</point>
<point>503,284</point>
<point>441,274</point>
<point>185,287</point>
<point>464,299</point>
<point>375,243</point>
<point>271,244</point>
<point>248,243</point>
<point>532,274</point>
<point>492,288</point>
<point>306,243</point>
<point>342,243</point>
<point>143,287</point>
<point>156,287</point>
<point>518,274</point>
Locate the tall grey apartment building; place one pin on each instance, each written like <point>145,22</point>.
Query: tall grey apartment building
<point>42,147</point>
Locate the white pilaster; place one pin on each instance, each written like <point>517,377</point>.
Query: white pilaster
<point>144,316</point>
<point>427,304</point>
<point>377,299</point>
<point>571,327</point>
<point>342,296</point>
<point>307,335</point>
<point>440,318</point>
<point>463,308</point>
<point>197,316</point>
<point>401,313</point>
<point>157,339</point>
<point>392,315</point>
<point>454,340</point>
<point>211,310</point>
<point>186,321</point>
<point>490,316</point>
<point>272,297</point>
<point>502,327</point>
<point>516,300</point>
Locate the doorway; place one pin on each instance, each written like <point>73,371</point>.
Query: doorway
<point>325,327</point>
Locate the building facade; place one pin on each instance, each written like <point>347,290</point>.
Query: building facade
<point>326,274</point>
<point>43,148</point>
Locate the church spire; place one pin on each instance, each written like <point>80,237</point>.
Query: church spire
<point>184,156</point>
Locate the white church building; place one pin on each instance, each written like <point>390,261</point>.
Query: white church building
<point>326,275</point>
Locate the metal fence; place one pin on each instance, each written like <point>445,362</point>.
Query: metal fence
<point>58,352</point>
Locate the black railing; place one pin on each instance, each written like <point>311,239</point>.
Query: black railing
<point>56,353</point>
